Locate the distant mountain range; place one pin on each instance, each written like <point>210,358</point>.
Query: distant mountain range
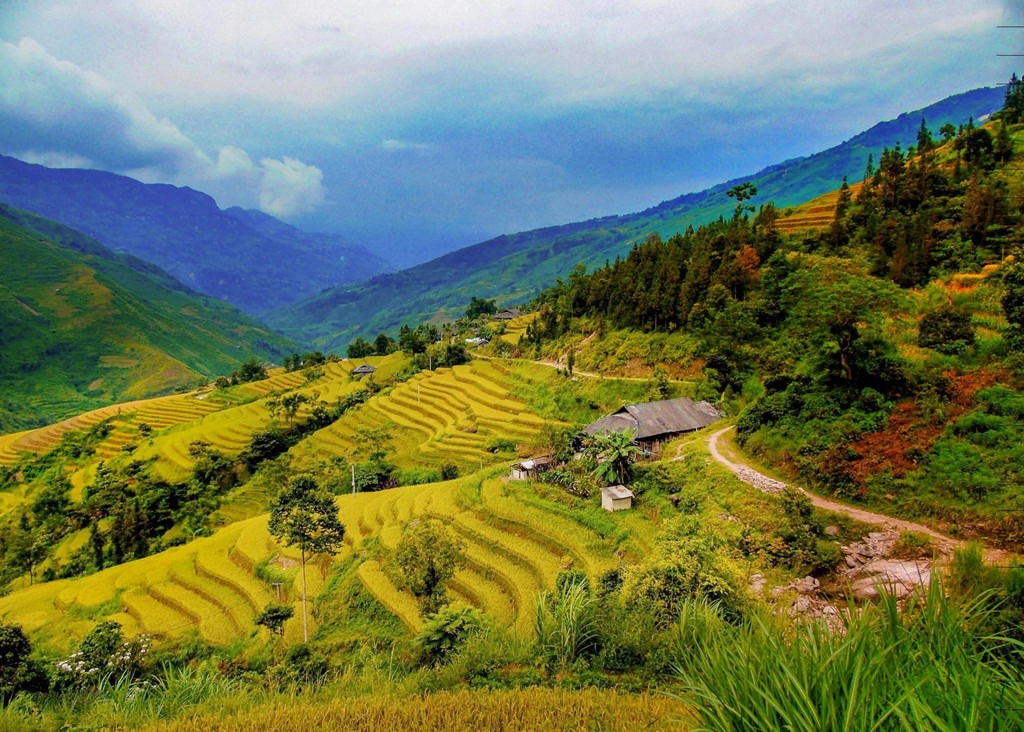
<point>82,326</point>
<point>514,268</point>
<point>247,258</point>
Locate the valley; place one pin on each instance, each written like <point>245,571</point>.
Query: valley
<point>236,532</point>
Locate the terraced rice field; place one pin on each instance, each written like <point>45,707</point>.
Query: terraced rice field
<point>448,415</point>
<point>231,429</point>
<point>817,213</point>
<point>445,416</point>
<point>516,327</point>
<point>159,413</point>
<point>163,413</point>
<point>207,586</point>
<point>514,549</point>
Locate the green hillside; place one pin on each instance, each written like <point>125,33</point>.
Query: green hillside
<point>516,267</point>
<point>873,353</point>
<point>247,258</point>
<point>81,327</point>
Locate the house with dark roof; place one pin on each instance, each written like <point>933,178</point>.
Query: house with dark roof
<point>654,423</point>
<point>509,314</point>
<point>361,371</point>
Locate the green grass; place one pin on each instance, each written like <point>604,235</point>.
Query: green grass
<point>930,666</point>
<point>83,329</point>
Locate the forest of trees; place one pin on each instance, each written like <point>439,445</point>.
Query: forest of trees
<point>798,322</point>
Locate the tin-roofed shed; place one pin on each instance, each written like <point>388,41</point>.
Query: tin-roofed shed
<point>531,468</point>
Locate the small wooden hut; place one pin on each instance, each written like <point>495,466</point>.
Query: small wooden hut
<point>531,469</point>
<point>364,370</point>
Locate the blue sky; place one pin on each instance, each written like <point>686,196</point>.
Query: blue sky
<point>414,128</point>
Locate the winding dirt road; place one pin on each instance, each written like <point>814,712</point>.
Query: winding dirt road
<point>762,482</point>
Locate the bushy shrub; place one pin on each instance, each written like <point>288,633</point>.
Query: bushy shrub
<point>428,556</point>
<point>500,444</point>
<point>690,563</point>
<point>103,653</point>
<point>948,330</point>
<point>415,476</point>
<point>375,475</point>
<point>445,632</point>
<point>18,672</point>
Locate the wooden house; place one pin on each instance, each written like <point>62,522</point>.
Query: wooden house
<point>509,314</point>
<point>654,423</point>
<point>531,469</point>
<point>364,370</point>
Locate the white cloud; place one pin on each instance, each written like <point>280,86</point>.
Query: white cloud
<point>79,113</point>
<point>56,113</point>
<point>392,145</point>
<point>233,162</point>
<point>55,159</point>
<point>321,55</point>
<point>289,187</point>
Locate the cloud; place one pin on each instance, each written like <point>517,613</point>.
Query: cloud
<point>289,187</point>
<point>55,113</point>
<point>392,145</point>
<point>588,52</point>
<point>415,114</point>
<point>51,106</point>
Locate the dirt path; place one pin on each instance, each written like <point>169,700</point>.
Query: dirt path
<point>769,485</point>
<point>588,374</point>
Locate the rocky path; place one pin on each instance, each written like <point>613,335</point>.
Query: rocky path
<point>762,482</point>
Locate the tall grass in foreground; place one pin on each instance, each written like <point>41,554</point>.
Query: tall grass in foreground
<point>929,667</point>
<point>127,703</point>
<point>551,710</point>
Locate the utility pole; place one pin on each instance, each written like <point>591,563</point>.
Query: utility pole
<point>353,466</point>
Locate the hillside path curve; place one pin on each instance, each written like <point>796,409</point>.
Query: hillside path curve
<point>769,485</point>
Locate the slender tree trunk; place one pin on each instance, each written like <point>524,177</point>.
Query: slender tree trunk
<point>305,627</point>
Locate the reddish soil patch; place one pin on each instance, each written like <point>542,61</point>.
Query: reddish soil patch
<point>909,435</point>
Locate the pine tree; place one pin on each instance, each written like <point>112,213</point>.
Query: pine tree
<point>838,230</point>
<point>1013,104</point>
<point>925,141</point>
<point>1002,147</point>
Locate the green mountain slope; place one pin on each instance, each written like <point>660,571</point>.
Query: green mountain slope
<point>81,327</point>
<point>248,258</point>
<point>516,267</point>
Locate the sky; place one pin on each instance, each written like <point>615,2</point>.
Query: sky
<point>414,128</point>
